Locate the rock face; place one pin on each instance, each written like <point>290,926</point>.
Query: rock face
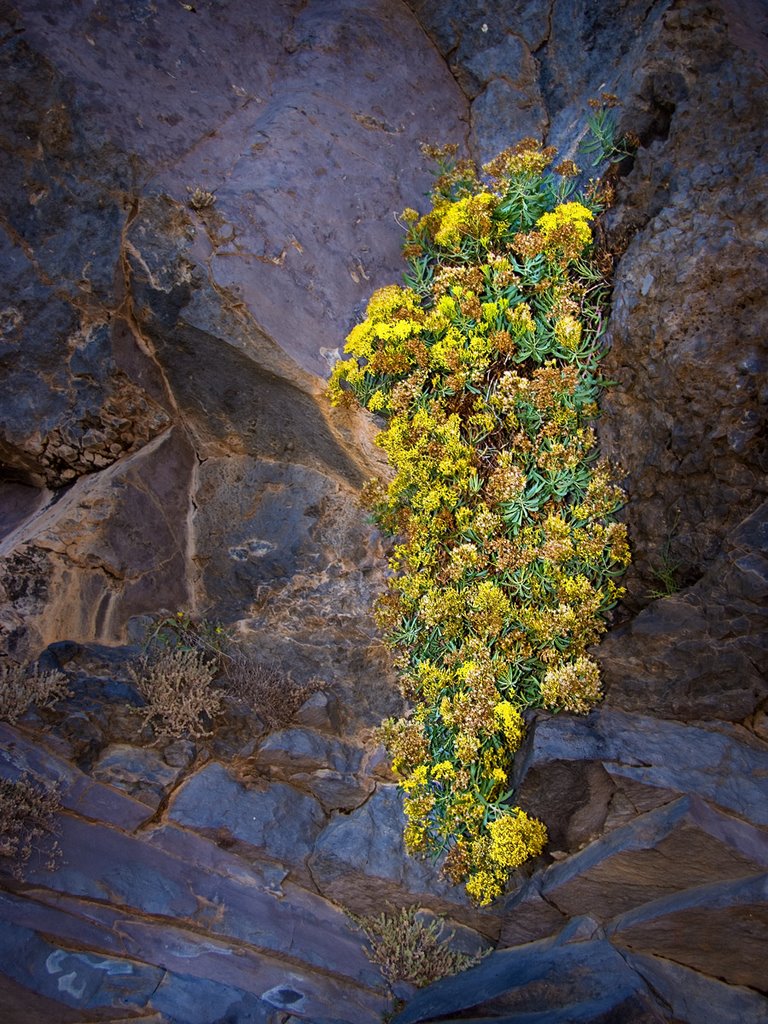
<point>146,332</point>
<point>197,202</point>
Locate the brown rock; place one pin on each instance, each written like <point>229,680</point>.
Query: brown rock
<point>528,917</point>
<point>140,771</point>
<point>718,929</point>
<point>680,846</point>
<point>113,545</point>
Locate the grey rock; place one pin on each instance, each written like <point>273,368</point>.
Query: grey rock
<point>286,550</point>
<point>108,887</point>
<point>190,1000</point>
<point>457,937</point>
<point>22,1006</point>
<point>304,750</point>
<point>682,845</point>
<point>529,917</point>
<point>179,314</point>
<point>327,767</point>
<point>723,765</point>
<point>179,754</point>
<point>693,997</point>
<point>176,962</point>
<point>692,420</point>
<point>336,791</point>
<point>277,820</point>
<point>509,110</point>
<point>76,978</point>
<point>359,861</point>
<point>80,794</point>
<point>124,313</point>
<point>583,981</point>
<point>700,654</point>
<point>319,711</point>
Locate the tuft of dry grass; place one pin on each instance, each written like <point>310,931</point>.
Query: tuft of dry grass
<point>22,686</point>
<point>272,694</point>
<point>411,950</point>
<point>27,818</point>
<point>176,685</point>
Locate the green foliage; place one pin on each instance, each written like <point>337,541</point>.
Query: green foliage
<point>602,141</point>
<point>406,948</point>
<point>182,632</point>
<point>666,570</point>
<point>486,369</point>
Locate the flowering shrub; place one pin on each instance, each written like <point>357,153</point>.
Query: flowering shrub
<point>485,368</point>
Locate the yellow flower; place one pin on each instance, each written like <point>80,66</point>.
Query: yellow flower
<point>565,230</point>
<point>484,887</point>
<point>521,319</point>
<point>418,779</point>
<point>568,332</point>
<point>443,771</point>
<point>566,213</point>
<point>470,216</point>
<point>515,838</point>
<point>377,401</point>
<point>466,747</point>
<point>510,722</point>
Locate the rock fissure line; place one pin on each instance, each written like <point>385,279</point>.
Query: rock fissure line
<point>226,942</point>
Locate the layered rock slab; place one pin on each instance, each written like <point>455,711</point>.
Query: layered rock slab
<point>359,860</point>
<point>621,764</point>
<point>161,936</point>
<point>701,653</point>
<point>567,982</point>
<point>683,845</point>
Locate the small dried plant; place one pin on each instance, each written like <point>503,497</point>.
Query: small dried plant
<point>27,818</point>
<point>272,694</point>
<point>22,686</point>
<point>176,685</point>
<point>406,948</point>
<point>200,198</point>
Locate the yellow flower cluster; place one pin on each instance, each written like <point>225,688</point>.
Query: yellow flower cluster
<point>513,839</point>
<point>505,559</point>
<point>467,217</point>
<point>572,686</point>
<point>567,221</point>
